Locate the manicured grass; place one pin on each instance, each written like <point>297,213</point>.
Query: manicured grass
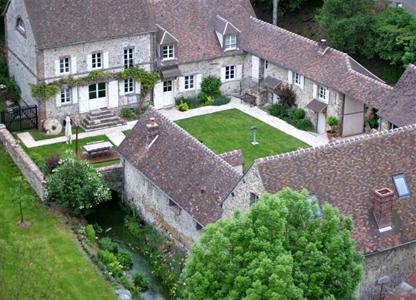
<point>39,136</point>
<point>39,154</point>
<point>126,132</point>
<point>76,277</point>
<point>230,130</point>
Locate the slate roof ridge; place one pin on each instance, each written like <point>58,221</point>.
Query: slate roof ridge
<point>284,30</point>
<point>336,144</point>
<point>237,151</point>
<point>200,145</point>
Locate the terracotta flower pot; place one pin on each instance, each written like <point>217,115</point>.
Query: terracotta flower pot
<point>331,134</point>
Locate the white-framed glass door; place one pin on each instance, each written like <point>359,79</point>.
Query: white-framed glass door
<point>97,94</point>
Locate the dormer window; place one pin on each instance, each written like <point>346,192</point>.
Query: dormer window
<point>230,42</point>
<point>168,52</point>
<point>20,26</point>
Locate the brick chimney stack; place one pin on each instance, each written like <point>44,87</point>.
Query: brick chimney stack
<point>153,131</point>
<point>382,208</point>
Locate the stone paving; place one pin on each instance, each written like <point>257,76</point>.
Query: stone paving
<point>116,136</point>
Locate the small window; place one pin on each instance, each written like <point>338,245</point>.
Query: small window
<point>167,86</point>
<point>97,60</point>
<point>401,187</point>
<point>64,65</point>
<point>230,42</point>
<point>229,72</point>
<point>189,82</point>
<point>128,86</point>
<point>172,204</point>
<point>253,198</point>
<point>20,26</point>
<point>168,52</point>
<point>97,90</point>
<point>266,64</point>
<point>312,199</point>
<point>65,95</point>
<point>128,58</point>
<point>298,79</point>
<point>323,93</point>
<point>198,226</point>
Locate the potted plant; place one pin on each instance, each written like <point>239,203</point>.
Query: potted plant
<point>332,122</point>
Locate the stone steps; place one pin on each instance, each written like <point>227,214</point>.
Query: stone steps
<point>101,119</point>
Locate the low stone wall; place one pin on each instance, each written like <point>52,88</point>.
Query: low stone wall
<point>28,168</point>
<point>113,177</point>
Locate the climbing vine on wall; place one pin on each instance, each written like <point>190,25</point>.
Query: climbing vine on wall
<point>45,91</point>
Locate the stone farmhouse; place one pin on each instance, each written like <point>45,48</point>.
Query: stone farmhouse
<point>185,41</point>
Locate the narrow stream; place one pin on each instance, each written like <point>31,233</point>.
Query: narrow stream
<point>110,217</point>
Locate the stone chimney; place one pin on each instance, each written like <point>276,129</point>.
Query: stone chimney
<point>153,131</point>
<point>323,46</point>
<point>382,208</point>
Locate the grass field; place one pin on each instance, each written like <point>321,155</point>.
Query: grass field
<point>230,130</point>
<point>74,277</point>
<point>39,136</point>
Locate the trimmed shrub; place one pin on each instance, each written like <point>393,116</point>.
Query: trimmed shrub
<point>211,86</point>
<point>140,281</point>
<point>302,124</point>
<point>125,258</point>
<point>90,233</point>
<point>297,114</point>
<point>128,113</point>
<point>52,162</point>
<point>278,110</point>
<point>182,106</point>
<point>108,245</point>
<point>221,100</point>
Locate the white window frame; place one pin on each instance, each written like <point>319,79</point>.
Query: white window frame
<point>129,86</point>
<point>230,42</point>
<point>167,86</point>
<point>297,79</point>
<point>405,185</point>
<point>168,52</point>
<point>128,57</point>
<point>323,93</point>
<point>189,82</point>
<point>65,65</point>
<point>97,60</point>
<point>65,95</point>
<point>230,72</point>
<point>97,91</point>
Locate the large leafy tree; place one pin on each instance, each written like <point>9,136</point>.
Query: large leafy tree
<point>283,248</point>
<point>76,185</point>
<point>349,25</point>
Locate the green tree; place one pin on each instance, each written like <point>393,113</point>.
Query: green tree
<point>22,198</point>
<point>283,248</point>
<point>395,31</point>
<point>349,25</point>
<point>75,184</point>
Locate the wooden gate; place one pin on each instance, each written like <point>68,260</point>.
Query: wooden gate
<point>20,118</point>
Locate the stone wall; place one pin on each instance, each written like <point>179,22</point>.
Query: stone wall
<point>397,263</point>
<point>113,177</point>
<point>28,168</point>
<point>157,208</point>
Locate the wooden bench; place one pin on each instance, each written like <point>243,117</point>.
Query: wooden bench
<point>95,149</point>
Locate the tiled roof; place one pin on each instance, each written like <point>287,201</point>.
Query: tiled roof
<point>193,23</point>
<point>234,158</point>
<point>405,290</point>
<point>345,173</point>
<point>400,105</point>
<point>334,69</point>
<point>186,170</point>
<point>58,23</point>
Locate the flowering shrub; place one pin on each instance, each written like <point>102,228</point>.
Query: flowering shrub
<point>76,185</point>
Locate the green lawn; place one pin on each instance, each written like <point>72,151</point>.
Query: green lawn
<point>75,276</point>
<point>39,154</point>
<point>39,136</point>
<point>230,130</point>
